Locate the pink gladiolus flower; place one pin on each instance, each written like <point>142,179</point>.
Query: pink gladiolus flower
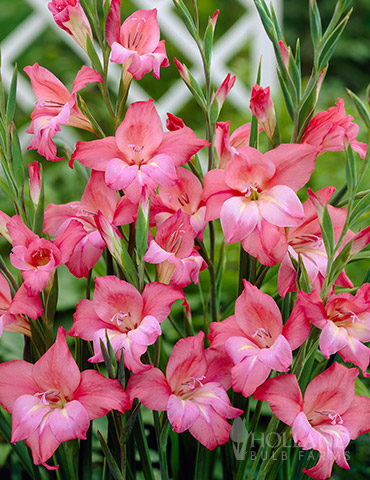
<point>255,340</point>
<point>136,43</point>
<point>331,130</point>
<point>70,16</point>
<point>35,182</point>
<point>306,241</point>
<point>52,401</point>
<point>173,249</point>
<point>263,109</point>
<point>36,257</point>
<point>55,106</point>
<point>141,155</point>
<point>226,145</point>
<point>344,321</point>
<point>131,320</point>
<point>325,419</point>
<point>96,198</point>
<point>191,392</point>
<point>255,196</point>
<point>186,196</point>
<point>13,311</point>
<point>174,123</point>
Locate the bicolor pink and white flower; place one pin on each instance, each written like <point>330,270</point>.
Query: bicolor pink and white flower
<point>344,321</point>
<point>333,129</point>
<point>130,319</point>
<point>254,197</point>
<point>97,197</point>
<point>136,43</point>
<point>36,257</point>
<point>52,401</point>
<point>173,250</point>
<point>255,339</point>
<point>55,106</point>
<point>14,312</point>
<point>140,156</point>
<point>325,419</point>
<point>191,393</point>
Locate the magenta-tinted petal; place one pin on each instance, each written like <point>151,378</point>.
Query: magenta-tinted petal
<point>16,379</point>
<point>86,321</point>
<point>119,174</point>
<point>46,85</point>
<point>28,412</point>
<point>284,396</point>
<point>357,417</point>
<point>69,422</point>
<point>24,304</point>
<point>239,217</point>
<point>56,369</point>
<point>43,445</point>
<point>156,254</point>
<point>181,413</point>
<point>100,395</point>
<point>221,331</point>
<point>147,332</point>
<point>357,353</point>
<point>84,76</point>
<point>151,388</point>
<point>297,328</point>
<point>68,239</point>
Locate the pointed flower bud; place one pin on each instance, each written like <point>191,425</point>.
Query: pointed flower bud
<point>285,52</point>
<point>35,182</point>
<point>263,109</point>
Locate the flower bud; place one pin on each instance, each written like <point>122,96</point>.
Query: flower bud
<point>263,109</point>
<point>35,182</point>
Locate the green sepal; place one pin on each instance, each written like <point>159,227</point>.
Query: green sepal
<point>287,96</point>
<point>197,91</point>
<point>38,221</point>
<point>351,174</point>
<point>112,464</point>
<point>208,42</point>
<point>11,103</point>
<point>93,56</point>
<point>327,231</point>
<point>141,233</point>
<point>128,267</point>
<point>108,355</point>
<point>340,262</point>
<point>362,207</point>
<point>361,108</point>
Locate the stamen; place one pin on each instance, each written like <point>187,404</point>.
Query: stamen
<point>44,394</point>
<point>120,316</point>
<point>251,191</point>
<point>84,212</point>
<point>48,103</point>
<point>192,383</point>
<point>261,331</point>
<point>333,415</point>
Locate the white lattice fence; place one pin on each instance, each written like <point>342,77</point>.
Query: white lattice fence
<point>247,28</point>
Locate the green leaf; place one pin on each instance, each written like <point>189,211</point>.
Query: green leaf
<point>361,108</point>
<point>17,160</point>
<point>331,43</point>
<point>38,221</point>
<point>361,389</point>
<point>327,232</point>
<point>208,42</point>
<point>109,359</point>
<point>141,233</point>
<point>362,207</point>
<point>187,18</point>
<point>340,262</point>
<point>10,107</point>
<point>93,56</point>
<point>315,23</point>
<point>265,17</point>
<point>350,170</point>
<point>287,96</point>
<point>112,464</point>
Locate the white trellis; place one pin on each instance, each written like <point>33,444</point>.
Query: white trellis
<point>246,28</point>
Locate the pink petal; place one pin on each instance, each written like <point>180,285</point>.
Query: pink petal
<point>46,85</point>
<point>145,23</point>
<point>181,413</point>
<point>97,196</point>
<point>221,331</point>
<point>86,321</point>
<point>249,374</point>
<point>357,417</point>
<point>284,396</point>
<point>84,76</point>
<point>156,254</point>
<point>357,353</point>
<point>210,429</point>
<point>158,299</point>
<point>19,233</point>
<point>100,395</point>
<point>119,175</point>
<point>151,388</point>
<point>24,304</point>
<point>69,422</point>
<point>181,144</point>
<point>213,394</point>
<point>68,239</point>
<point>297,328</point>
<point>278,356</point>
<point>281,207</point>
<point>147,332</point>
<point>28,413</point>
<point>96,154</point>
<point>332,339</point>
<point>113,23</point>
<point>43,446</point>
<point>161,169</point>
<point>56,369</point>
<point>239,218</point>
<point>239,348</point>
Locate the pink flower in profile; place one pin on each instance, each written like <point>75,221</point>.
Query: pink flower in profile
<point>13,311</point>
<point>136,43</point>
<point>140,156</point>
<point>186,196</point>
<point>226,145</point>
<point>191,393</point>
<point>55,106</point>
<point>97,197</point>
<point>255,340</point>
<point>35,182</point>
<point>255,197</point>
<point>331,130</point>
<point>305,241</point>
<point>52,401</point>
<point>36,257</point>
<point>325,419</point>
<point>173,250</point>
<point>263,109</point>
<point>130,319</point>
<point>70,16</point>
<point>344,321</point>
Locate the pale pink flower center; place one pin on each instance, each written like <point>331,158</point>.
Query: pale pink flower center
<point>175,241</point>
<point>251,191</point>
<point>124,321</point>
<point>52,398</point>
<point>187,389</point>
<point>306,241</point>
<point>84,212</point>
<point>344,317</point>
<point>137,157</point>
<point>332,415</point>
<point>40,104</point>
<point>262,337</point>
<point>135,37</point>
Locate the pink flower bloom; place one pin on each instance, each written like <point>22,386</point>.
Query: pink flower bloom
<point>55,106</point>
<point>226,145</point>
<point>52,401</point>
<point>263,109</point>
<point>131,320</point>
<point>255,196</point>
<point>191,393</point>
<point>174,123</point>
<point>186,196</point>
<point>255,340</point>
<point>332,129</point>
<point>13,311</point>
<point>344,321</point>
<point>35,182</point>
<point>70,16</point>
<point>173,249</point>
<point>141,155</point>
<point>325,419</point>
<point>136,43</point>
<point>306,241</point>
<point>97,197</point>
<point>36,257</point>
